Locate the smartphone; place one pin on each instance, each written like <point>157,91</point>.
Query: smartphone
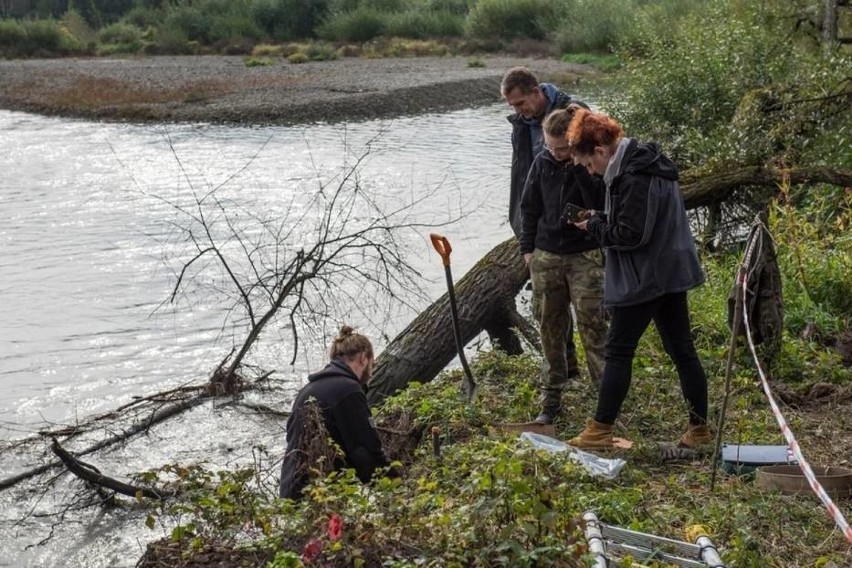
<point>574,214</point>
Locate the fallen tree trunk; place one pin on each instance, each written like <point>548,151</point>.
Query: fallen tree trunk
<point>486,301</point>
<point>700,188</point>
<point>486,294</point>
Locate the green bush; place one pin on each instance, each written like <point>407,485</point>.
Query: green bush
<point>732,86</point>
<point>457,7</point>
<point>298,57</point>
<point>44,35</point>
<point>189,20</point>
<point>586,25</point>
<point>321,52</point>
<point>12,35</point>
<point>361,25</point>
<point>41,38</point>
<point>420,24</point>
<point>509,19</point>
<point>387,6</point>
<point>143,17</point>
<point>120,33</point>
<point>271,17</point>
<point>285,20</point>
<point>170,37</point>
<point>234,28</point>
<point>254,61</point>
<point>215,21</point>
<point>107,49</point>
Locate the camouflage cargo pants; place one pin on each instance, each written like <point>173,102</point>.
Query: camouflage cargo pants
<point>559,281</point>
<point>573,369</point>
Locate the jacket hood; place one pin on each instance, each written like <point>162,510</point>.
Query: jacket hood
<point>648,158</point>
<point>335,368</point>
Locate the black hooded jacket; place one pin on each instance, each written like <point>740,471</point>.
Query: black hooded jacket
<point>550,186</point>
<point>347,418</point>
<point>649,246</point>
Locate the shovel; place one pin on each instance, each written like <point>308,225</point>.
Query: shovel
<point>442,246</point>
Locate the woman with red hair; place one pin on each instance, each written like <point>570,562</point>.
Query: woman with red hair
<point>651,262</point>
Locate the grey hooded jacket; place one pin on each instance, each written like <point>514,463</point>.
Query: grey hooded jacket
<point>650,250</point>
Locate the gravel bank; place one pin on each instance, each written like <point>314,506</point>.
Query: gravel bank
<point>222,89</point>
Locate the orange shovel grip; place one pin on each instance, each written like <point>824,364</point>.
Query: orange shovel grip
<point>442,245</point>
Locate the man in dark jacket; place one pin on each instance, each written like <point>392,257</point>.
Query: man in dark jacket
<point>566,264</point>
<point>532,101</point>
<point>336,394</point>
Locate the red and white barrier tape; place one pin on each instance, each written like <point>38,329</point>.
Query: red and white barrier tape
<point>833,511</point>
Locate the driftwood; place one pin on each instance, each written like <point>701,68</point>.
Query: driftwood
<point>166,407</point>
<point>91,474</point>
<point>140,426</point>
<point>486,294</point>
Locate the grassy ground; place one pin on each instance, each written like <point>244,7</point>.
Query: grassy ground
<point>492,500</point>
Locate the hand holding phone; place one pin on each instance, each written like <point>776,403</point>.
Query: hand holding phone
<point>574,214</point>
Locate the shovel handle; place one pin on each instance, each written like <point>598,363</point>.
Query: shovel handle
<point>442,245</point>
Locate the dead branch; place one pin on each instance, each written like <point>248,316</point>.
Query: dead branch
<point>140,426</point>
<point>91,474</point>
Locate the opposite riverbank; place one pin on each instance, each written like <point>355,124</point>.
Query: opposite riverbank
<point>223,89</point>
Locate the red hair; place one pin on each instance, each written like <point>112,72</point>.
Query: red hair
<point>590,129</point>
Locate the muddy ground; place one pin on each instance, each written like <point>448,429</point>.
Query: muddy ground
<point>223,89</point>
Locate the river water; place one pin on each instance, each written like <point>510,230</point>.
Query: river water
<point>87,224</point>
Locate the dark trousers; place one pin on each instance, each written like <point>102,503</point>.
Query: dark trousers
<point>670,314</point>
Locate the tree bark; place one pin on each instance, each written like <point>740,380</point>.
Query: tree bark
<point>700,188</point>
<point>829,24</point>
<point>486,300</point>
<point>486,294</point>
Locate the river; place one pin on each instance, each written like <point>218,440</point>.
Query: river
<point>87,226</point>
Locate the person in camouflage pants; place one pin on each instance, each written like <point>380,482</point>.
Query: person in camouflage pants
<point>531,101</point>
<point>566,266</point>
<point>563,280</point>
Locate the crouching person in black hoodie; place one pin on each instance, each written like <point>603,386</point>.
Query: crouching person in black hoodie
<point>333,404</point>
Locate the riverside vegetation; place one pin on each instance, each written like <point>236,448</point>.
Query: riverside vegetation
<point>489,500</point>
<point>496,501</point>
<point>322,29</point>
<point>737,83</point>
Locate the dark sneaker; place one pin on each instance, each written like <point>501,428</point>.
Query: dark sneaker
<point>547,416</point>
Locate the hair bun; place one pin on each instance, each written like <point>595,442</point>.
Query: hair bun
<point>346,330</point>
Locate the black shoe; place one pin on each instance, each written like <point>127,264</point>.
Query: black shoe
<point>547,416</point>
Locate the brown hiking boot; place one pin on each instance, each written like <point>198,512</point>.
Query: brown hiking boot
<point>595,435</point>
<point>696,435</point>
